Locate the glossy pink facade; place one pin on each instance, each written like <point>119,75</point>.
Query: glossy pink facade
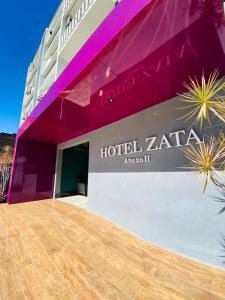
<point>140,56</point>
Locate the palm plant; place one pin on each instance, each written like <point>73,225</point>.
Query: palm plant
<point>5,169</point>
<point>204,98</point>
<point>208,159</point>
<point>221,198</point>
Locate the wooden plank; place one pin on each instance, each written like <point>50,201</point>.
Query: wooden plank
<point>52,250</point>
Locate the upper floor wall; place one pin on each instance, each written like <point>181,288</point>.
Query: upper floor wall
<point>72,25</point>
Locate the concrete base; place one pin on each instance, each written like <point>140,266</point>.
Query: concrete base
<point>80,201</point>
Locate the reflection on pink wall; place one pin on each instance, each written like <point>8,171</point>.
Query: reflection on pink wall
<point>145,63</point>
<point>33,172</point>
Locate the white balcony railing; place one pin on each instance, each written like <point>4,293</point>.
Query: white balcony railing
<point>28,111</point>
<point>52,36</point>
<point>48,77</point>
<point>79,15</point>
<point>31,74</point>
<point>67,3</point>
<point>28,102</point>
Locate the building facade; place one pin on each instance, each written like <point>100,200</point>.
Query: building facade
<point>71,26</point>
<point>101,117</point>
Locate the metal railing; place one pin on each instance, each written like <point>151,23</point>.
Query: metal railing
<point>79,15</point>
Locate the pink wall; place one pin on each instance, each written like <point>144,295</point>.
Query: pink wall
<point>33,171</point>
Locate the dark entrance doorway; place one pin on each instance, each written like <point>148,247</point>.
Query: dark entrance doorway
<point>74,175</point>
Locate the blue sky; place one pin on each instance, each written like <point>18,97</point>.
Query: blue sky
<point>22,24</point>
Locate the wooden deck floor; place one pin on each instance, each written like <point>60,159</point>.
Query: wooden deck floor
<point>51,250</point>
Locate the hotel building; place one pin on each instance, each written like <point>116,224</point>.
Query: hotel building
<point>100,117</point>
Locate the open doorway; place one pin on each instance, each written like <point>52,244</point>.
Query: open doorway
<point>74,174</point>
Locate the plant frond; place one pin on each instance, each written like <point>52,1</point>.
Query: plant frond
<point>204,98</point>
<point>207,159</point>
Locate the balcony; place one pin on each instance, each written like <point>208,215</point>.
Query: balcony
<point>28,106</point>
<point>85,19</point>
<point>33,66</point>
<point>54,26</point>
<point>29,96</point>
<point>31,74</point>
<point>52,49</point>
<point>53,36</point>
<point>67,3</point>
<point>49,75</point>
<point>79,15</point>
